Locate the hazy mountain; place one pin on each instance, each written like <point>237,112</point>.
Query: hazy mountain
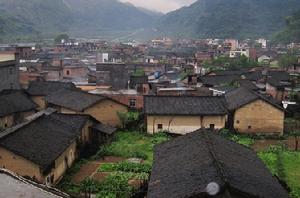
<point>19,17</point>
<point>85,17</point>
<point>228,18</point>
<point>292,31</point>
<point>95,16</point>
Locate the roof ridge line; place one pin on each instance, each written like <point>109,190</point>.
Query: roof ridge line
<point>218,165</point>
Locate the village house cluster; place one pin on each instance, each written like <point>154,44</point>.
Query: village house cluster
<point>60,103</point>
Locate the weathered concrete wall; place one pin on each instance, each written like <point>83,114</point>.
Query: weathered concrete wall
<point>107,112</point>
<point>259,117</point>
<point>19,165</point>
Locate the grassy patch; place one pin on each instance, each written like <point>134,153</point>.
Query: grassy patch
<point>285,165</point>
<point>240,139</point>
<point>133,144</point>
<point>126,167</point>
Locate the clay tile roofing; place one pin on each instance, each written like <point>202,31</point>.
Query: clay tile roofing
<point>44,139</point>
<point>10,181</point>
<point>105,129</point>
<point>184,166</point>
<point>73,99</point>
<point>14,102</point>
<point>44,88</point>
<point>243,96</point>
<point>184,105</point>
<point>218,80</point>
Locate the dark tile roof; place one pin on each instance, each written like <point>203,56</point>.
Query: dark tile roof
<point>248,84</point>
<point>278,75</point>
<point>255,76</point>
<point>184,105</point>
<point>229,72</point>
<point>242,96</point>
<point>43,139</point>
<point>73,99</point>
<point>218,80</point>
<point>135,80</point>
<point>184,167</point>
<point>105,129</point>
<point>13,102</point>
<point>44,88</point>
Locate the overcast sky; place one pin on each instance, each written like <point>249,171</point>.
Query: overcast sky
<point>160,5</point>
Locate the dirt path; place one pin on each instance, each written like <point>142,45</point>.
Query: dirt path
<point>90,169</point>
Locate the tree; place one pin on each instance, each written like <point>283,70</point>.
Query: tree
<point>287,60</point>
<point>58,39</point>
<point>128,119</point>
<point>87,186</point>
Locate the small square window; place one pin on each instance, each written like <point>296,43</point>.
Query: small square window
<point>132,102</point>
<point>249,127</point>
<point>160,126</point>
<point>212,126</point>
<point>238,122</point>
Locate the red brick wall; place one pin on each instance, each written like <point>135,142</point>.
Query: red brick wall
<point>125,99</point>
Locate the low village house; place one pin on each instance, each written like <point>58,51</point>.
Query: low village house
<point>44,148</point>
<point>253,113</point>
<point>14,107</point>
<point>38,90</point>
<point>181,115</point>
<point>103,109</point>
<point>203,164</point>
<point>47,144</point>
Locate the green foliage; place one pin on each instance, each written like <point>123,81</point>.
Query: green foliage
<point>240,139</point>
<point>139,72</point>
<point>65,184</point>
<point>88,186</point>
<point>246,141</point>
<point>287,60</point>
<point>230,63</point>
<point>129,119</point>
<point>61,37</point>
<point>133,144</point>
<point>292,32</point>
<point>125,167</point>
<point>115,186</point>
<point>286,165</point>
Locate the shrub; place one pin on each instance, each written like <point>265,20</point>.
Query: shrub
<point>126,167</point>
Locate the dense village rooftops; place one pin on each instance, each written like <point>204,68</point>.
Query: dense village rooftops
<point>14,102</point>
<point>255,75</point>
<point>13,185</point>
<point>228,72</point>
<point>134,80</point>
<point>41,88</point>
<point>242,96</point>
<point>73,99</point>
<point>184,167</point>
<point>185,105</point>
<point>44,139</point>
<point>218,80</point>
<point>278,75</point>
<point>248,84</point>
